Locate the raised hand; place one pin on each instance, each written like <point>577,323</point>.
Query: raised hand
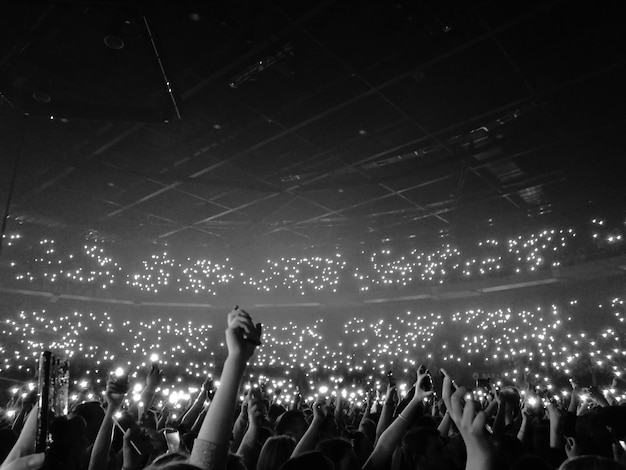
<point>480,449</point>
<point>242,336</point>
<point>154,378</point>
<point>115,392</point>
<point>319,410</point>
<point>256,407</point>
<point>209,388</point>
<point>391,397</point>
<point>447,388</point>
<point>136,447</point>
<point>423,384</point>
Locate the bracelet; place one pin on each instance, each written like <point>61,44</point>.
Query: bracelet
<point>403,417</point>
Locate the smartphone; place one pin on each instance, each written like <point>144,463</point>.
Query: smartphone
<point>614,438</point>
<point>172,437</point>
<point>54,382</point>
<point>427,382</point>
<point>391,379</point>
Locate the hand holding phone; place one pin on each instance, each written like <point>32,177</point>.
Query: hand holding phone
<point>172,437</point>
<point>427,381</point>
<point>54,380</point>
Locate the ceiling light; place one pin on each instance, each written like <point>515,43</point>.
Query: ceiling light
<point>41,97</point>
<point>114,42</point>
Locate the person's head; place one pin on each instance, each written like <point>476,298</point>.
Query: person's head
<point>423,449</point>
<point>510,397</point>
<point>425,421</point>
<point>531,462</point>
<point>340,452</point>
<point>68,442</point>
<point>172,466</point>
<point>590,462</point>
<point>274,412</point>
<point>368,427</point>
<point>308,461</point>
<point>361,445</point>
<point>508,449</point>
<point>592,435</point>
<point>275,452</point>
<point>292,423</point>
<point>93,414</point>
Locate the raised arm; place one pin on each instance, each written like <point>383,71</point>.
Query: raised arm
<point>480,450</point>
<point>386,415</point>
<point>210,450</point>
<point>194,411</point>
<point>153,379</point>
<point>240,426</point>
<point>249,449</point>
<point>309,439</point>
<point>389,439</point>
<point>116,389</point>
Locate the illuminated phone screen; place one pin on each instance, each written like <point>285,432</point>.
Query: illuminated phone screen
<point>54,382</point>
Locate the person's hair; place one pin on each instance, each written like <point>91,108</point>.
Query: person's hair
<point>274,412</point>
<point>314,460</point>
<point>592,436</point>
<point>172,466</point>
<point>531,462</point>
<point>93,414</point>
<point>590,462</point>
<point>275,452</point>
<point>415,444</point>
<point>368,427</point>
<point>292,423</point>
<point>360,443</point>
<point>509,449</point>
<point>340,452</point>
<point>425,421</point>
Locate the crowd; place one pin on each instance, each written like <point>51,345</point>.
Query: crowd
<point>351,393</point>
<point>47,263</point>
<point>422,420</point>
<point>549,339</point>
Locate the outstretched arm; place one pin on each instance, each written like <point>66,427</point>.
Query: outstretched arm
<point>249,448</point>
<point>116,389</point>
<point>480,450</point>
<point>211,447</point>
<point>194,411</point>
<point>386,415</point>
<point>381,456</point>
<point>309,440</point>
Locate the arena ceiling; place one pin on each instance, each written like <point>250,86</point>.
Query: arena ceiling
<point>225,123</point>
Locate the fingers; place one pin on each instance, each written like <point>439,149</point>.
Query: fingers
<point>456,404</point>
<point>242,323</point>
<point>468,414</point>
<point>446,389</point>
